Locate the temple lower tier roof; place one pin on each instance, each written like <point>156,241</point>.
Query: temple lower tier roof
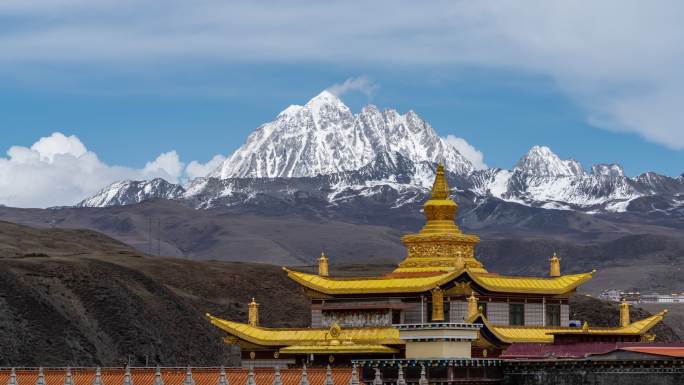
<point>386,339</point>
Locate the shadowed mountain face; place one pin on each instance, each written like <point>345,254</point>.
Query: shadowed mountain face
<point>76,297</point>
<point>516,239</point>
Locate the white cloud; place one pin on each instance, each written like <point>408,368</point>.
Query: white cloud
<point>59,170</point>
<point>474,155</point>
<point>362,84</point>
<point>167,163</point>
<point>196,169</point>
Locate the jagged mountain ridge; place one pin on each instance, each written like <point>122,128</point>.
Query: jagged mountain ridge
<point>321,149</point>
<point>324,137</point>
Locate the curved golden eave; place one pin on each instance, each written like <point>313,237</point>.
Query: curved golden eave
<point>280,337</point>
<point>380,285</point>
<point>419,284</point>
<point>545,334</point>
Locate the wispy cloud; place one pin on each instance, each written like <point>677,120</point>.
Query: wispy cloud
<point>361,84</point>
<point>621,60</point>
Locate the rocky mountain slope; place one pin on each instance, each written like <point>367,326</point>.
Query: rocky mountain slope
<point>75,297</point>
<point>79,298</point>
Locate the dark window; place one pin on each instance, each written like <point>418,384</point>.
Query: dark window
<point>483,306</point>
<point>396,316</point>
<point>516,314</point>
<point>553,317</point>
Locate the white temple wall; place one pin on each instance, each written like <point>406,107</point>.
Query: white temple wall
<point>497,313</point>
<point>534,314</point>
<point>565,315</point>
<point>458,311</point>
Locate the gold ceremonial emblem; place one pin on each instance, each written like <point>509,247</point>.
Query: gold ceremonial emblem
<point>335,330</point>
<point>276,354</point>
<point>252,355</point>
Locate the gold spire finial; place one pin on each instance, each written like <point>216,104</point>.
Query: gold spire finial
<point>472,305</point>
<point>323,265</point>
<point>585,326</point>
<point>554,268</point>
<point>253,313</point>
<point>624,314</point>
<point>440,188</point>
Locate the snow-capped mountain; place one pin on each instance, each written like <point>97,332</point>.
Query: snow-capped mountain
<point>129,192</point>
<point>323,151</point>
<point>324,137</point>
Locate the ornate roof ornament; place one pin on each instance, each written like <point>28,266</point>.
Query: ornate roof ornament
<point>328,376</point>
<point>223,379</point>
<point>250,376</point>
<point>323,265</point>
<point>12,378</point>
<point>41,377</point>
<point>68,378</point>
<point>400,376</point>
<point>472,305</point>
<point>440,245</point>
<point>128,379</point>
<point>305,378</point>
<point>158,380</point>
<point>378,377</point>
<point>97,380</point>
<point>253,313</point>
<point>624,314</point>
<point>554,266</point>
<point>354,380</point>
<point>423,378</point>
<point>188,377</point>
<point>277,380</point>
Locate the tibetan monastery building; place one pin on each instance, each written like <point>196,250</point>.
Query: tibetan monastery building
<point>440,288</point>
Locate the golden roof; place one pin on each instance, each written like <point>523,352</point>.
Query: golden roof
<point>378,285</point>
<point>303,336</point>
<point>417,284</point>
<point>539,285</point>
<point>545,334</point>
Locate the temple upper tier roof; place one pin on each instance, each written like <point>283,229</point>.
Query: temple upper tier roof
<point>437,255</point>
<point>418,284</point>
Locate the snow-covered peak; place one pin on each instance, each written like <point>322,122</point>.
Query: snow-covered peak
<point>325,137</point>
<point>612,170</point>
<point>133,191</point>
<point>325,98</point>
<point>541,161</point>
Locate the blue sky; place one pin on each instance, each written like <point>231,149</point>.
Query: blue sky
<point>133,79</point>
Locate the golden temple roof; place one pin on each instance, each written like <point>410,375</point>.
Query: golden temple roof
<point>545,334</point>
<point>279,337</point>
<point>539,285</point>
<point>417,284</point>
<point>329,285</point>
